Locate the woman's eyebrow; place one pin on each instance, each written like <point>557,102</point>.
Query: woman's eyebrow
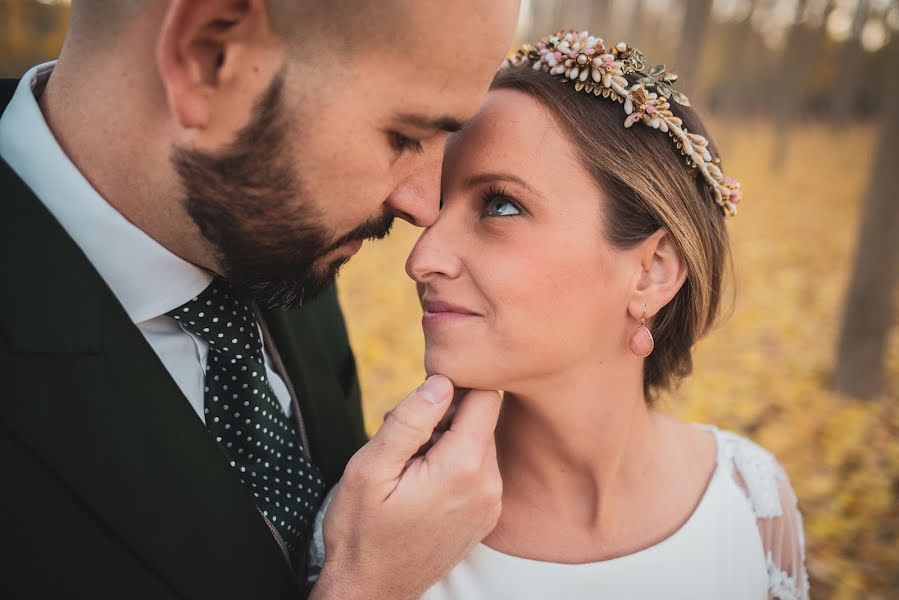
<point>490,177</point>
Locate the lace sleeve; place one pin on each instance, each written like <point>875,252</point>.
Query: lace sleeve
<point>776,510</point>
<point>316,556</point>
<point>783,540</point>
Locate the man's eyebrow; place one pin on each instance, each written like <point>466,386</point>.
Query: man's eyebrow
<point>443,123</point>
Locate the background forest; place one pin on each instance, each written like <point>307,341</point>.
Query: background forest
<point>804,96</point>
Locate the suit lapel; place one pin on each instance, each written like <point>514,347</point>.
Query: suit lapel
<point>90,398</point>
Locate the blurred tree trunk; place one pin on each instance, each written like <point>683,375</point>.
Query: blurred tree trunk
<point>869,312</point>
<point>14,40</point>
<point>654,42</point>
<point>635,24</point>
<point>693,34</point>
<point>600,22</point>
<point>794,65</point>
<point>850,69</point>
<point>30,33</point>
<point>734,60</point>
<point>549,16</point>
<point>575,14</point>
<point>543,18</point>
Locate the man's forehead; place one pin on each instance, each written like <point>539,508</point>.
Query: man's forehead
<point>450,50</point>
<point>446,97</point>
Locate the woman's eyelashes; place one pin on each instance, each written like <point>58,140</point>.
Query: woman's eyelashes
<point>400,143</point>
<point>498,204</point>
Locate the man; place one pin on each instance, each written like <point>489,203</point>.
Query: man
<point>177,391</point>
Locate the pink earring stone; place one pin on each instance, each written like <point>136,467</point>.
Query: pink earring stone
<point>642,343</point>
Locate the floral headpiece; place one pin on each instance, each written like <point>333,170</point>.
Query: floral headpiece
<point>599,70</point>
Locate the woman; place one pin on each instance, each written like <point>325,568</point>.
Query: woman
<point>579,254</point>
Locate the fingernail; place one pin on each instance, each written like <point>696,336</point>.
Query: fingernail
<point>436,389</point>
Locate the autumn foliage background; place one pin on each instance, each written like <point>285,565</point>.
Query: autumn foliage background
<point>805,151</point>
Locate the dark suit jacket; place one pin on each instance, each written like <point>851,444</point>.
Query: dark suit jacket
<point>110,486</point>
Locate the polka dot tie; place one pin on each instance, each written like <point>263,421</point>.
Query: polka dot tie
<point>258,439</point>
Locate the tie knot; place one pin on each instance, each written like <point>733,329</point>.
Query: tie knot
<point>223,320</point>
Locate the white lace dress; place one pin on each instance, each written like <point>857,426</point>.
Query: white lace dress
<point>744,540</point>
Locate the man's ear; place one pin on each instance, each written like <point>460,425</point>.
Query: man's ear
<point>207,48</point>
<point>662,274</point>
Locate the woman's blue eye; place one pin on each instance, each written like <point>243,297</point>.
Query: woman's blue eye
<point>500,206</point>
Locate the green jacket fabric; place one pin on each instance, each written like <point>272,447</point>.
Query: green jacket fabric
<point>110,486</point>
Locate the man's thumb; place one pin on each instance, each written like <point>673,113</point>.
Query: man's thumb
<point>409,425</point>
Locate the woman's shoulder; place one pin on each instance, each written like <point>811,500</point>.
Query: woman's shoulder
<point>765,484</point>
<point>755,470</point>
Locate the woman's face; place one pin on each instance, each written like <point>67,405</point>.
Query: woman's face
<point>515,277</point>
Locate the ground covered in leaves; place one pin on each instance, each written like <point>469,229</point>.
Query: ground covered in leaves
<point>764,372</point>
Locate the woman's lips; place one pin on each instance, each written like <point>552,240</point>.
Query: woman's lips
<point>441,312</point>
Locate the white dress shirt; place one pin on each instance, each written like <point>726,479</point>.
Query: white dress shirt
<point>145,277</point>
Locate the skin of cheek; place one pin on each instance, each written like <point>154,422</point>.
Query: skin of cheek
<point>333,137</point>
<point>549,310</point>
<point>555,290</point>
<point>343,155</point>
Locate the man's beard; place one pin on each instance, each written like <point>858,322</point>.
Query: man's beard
<point>248,202</point>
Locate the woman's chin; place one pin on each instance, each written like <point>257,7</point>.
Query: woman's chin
<point>461,368</point>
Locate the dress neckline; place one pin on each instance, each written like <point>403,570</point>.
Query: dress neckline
<point>680,532</point>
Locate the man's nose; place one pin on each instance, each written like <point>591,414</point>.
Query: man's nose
<point>417,197</point>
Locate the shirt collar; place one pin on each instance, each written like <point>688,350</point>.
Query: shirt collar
<point>146,278</point>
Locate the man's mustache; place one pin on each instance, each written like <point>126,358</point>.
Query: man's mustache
<point>373,229</point>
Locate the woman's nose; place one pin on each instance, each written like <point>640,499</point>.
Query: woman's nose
<point>435,254</point>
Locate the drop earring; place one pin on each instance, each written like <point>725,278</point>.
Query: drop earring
<point>642,343</point>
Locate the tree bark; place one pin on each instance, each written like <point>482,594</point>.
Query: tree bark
<point>732,101</point>
<point>693,34</point>
<point>635,24</point>
<point>600,23</point>
<point>575,14</point>
<point>850,69</point>
<point>794,65</point>
<point>870,300</point>
<point>543,18</point>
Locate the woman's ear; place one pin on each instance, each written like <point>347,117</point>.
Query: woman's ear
<point>208,50</point>
<point>662,274</point>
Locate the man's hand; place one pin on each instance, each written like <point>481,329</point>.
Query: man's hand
<point>401,519</point>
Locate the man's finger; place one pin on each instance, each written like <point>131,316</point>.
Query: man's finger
<point>450,413</point>
<point>474,424</point>
<point>410,425</point>
<point>477,413</point>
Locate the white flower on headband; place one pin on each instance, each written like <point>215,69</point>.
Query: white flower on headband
<point>606,70</point>
<point>600,70</point>
<point>649,107</point>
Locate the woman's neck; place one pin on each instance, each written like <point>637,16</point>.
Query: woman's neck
<point>579,446</point>
<point>590,472</point>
